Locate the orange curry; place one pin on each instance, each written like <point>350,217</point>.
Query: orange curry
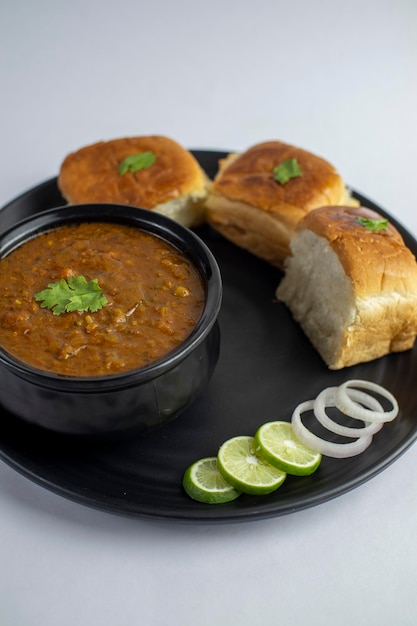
<point>154,294</point>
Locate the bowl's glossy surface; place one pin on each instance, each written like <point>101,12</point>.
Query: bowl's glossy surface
<point>137,399</point>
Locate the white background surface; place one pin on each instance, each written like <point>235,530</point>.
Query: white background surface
<point>338,79</point>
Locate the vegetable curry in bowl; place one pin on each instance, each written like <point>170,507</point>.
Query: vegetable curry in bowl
<point>100,298</point>
<point>108,319</point>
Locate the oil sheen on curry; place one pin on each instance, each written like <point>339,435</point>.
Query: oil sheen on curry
<point>153,298</point>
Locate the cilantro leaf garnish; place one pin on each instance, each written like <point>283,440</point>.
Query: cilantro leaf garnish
<point>136,162</point>
<point>286,170</point>
<point>373,224</point>
<point>74,294</point>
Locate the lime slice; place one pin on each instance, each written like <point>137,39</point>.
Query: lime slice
<point>203,482</point>
<point>242,468</point>
<point>279,445</point>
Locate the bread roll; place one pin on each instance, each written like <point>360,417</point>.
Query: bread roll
<point>250,208</point>
<point>174,184</point>
<point>353,290</point>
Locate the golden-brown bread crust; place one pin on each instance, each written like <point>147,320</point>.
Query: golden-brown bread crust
<point>91,175</point>
<point>353,290</point>
<point>377,262</point>
<point>248,206</point>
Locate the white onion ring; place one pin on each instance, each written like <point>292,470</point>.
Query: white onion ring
<point>346,405</point>
<point>327,448</point>
<point>327,398</point>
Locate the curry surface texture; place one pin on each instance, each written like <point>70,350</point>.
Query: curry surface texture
<point>155,297</point>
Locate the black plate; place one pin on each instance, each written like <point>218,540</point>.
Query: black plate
<point>266,367</point>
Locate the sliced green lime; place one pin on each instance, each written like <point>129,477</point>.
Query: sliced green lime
<point>277,443</point>
<point>203,482</point>
<point>242,468</point>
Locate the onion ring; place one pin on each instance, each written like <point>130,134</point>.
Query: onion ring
<point>327,448</point>
<point>346,405</point>
<point>327,399</point>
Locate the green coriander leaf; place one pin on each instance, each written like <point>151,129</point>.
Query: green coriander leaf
<point>136,162</point>
<point>373,224</point>
<point>55,297</point>
<point>286,170</point>
<point>76,294</point>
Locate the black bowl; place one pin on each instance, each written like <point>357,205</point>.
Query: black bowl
<point>136,400</point>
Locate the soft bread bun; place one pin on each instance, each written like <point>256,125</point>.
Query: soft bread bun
<point>174,184</point>
<point>250,208</point>
<point>353,290</point>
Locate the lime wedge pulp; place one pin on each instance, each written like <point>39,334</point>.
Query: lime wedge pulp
<point>279,445</point>
<point>242,468</point>
<point>203,482</point>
